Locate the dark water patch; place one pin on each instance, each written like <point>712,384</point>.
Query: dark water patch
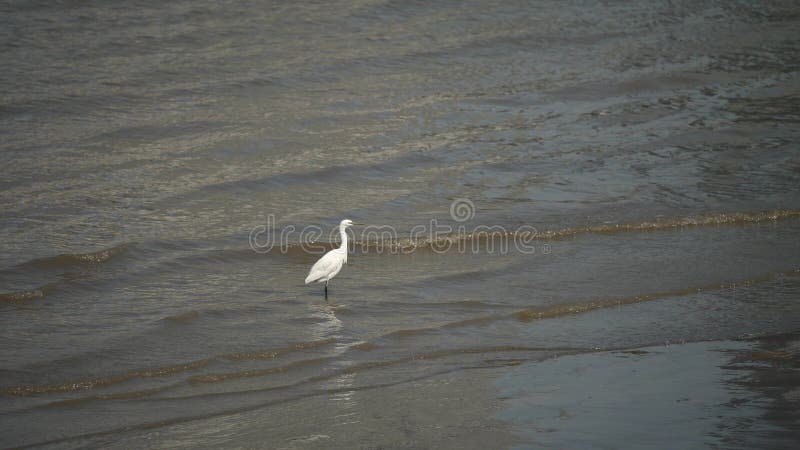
<point>781,109</point>
<point>758,60</point>
<point>150,133</point>
<point>462,276</point>
<point>211,256</point>
<point>183,318</point>
<point>633,352</point>
<point>391,167</point>
<point>65,104</point>
<point>771,355</point>
<point>66,260</point>
<point>410,332</point>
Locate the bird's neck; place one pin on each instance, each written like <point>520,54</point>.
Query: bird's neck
<point>343,233</point>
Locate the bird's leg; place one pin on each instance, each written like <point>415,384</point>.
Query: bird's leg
<point>326,290</point>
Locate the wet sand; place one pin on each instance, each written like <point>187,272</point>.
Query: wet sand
<point>723,394</point>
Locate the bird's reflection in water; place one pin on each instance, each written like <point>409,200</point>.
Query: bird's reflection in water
<point>342,399</point>
<point>328,325</point>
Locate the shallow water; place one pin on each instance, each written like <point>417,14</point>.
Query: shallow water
<point>152,151</point>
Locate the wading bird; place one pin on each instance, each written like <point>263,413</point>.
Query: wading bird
<point>329,265</point>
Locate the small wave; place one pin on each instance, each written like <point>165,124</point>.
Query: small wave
<point>741,218</point>
<point>481,320</point>
<point>128,395</point>
<point>469,305</point>
<point>27,295</point>
<point>547,312</point>
<point>22,296</point>
<point>409,245</point>
<point>219,377</point>
<point>667,224</point>
<point>93,383</point>
<point>463,276</point>
<point>71,259</point>
<point>405,333</point>
<point>364,347</point>
<point>271,354</point>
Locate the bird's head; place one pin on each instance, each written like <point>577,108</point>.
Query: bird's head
<point>346,223</point>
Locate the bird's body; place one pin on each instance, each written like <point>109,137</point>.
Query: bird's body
<point>331,263</point>
<point>328,266</point>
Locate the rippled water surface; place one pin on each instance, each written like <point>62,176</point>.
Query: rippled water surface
<point>653,148</point>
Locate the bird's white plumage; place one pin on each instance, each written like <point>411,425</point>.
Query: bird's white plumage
<point>327,267</point>
<point>331,263</point>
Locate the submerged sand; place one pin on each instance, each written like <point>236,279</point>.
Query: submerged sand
<point>716,394</point>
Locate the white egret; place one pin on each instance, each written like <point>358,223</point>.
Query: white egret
<point>331,263</point>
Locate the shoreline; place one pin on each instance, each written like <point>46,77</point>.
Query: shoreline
<point>728,393</point>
